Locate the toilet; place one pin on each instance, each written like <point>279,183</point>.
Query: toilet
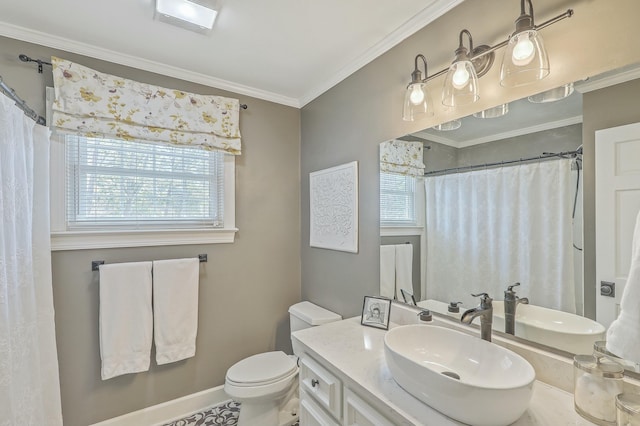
<point>266,384</point>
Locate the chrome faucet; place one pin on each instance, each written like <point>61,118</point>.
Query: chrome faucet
<point>511,301</point>
<point>485,312</point>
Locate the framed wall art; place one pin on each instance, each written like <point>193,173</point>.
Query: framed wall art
<point>333,195</point>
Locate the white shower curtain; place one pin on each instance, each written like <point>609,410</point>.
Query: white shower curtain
<point>29,383</point>
<point>492,228</point>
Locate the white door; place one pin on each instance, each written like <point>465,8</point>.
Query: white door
<point>617,204</point>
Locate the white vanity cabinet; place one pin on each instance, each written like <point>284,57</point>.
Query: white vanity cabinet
<point>358,412</point>
<point>326,401</point>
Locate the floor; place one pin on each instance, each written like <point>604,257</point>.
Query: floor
<point>225,414</point>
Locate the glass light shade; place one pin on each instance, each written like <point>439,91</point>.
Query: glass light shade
<point>552,95</point>
<point>494,112</point>
<point>417,104</point>
<point>460,85</point>
<point>525,60</point>
<point>448,126</point>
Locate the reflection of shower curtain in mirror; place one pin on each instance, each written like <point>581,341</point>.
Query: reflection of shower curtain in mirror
<point>491,228</point>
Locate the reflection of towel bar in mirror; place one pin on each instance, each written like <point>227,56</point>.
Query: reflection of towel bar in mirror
<point>95,264</point>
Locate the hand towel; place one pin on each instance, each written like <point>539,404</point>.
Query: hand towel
<point>404,268</point>
<point>388,271</point>
<point>175,308</point>
<point>623,336</point>
<point>126,320</point>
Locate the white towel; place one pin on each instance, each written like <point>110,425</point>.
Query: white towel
<point>388,271</point>
<point>126,320</point>
<point>623,336</point>
<point>404,268</point>
<point>175,308</point>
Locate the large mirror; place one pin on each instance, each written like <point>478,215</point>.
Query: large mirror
<point>499,210</point>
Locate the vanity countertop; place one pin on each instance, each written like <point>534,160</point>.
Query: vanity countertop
<point>356,352</point>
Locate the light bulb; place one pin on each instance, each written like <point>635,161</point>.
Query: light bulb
<point>417,95</point>
<point>524,50</point>
<point>187,9</point>
<point>460,76</point>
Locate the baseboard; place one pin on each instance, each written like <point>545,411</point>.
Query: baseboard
<point>170,410</point>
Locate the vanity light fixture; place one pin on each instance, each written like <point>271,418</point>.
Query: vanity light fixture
<point>461,82</point>
<point>417,102</point>
<point>525,62</point>
<point>555,94</point>
<point>495,112</point>
<point>197,15</point>
<point>448,126</point>
<point>525,59</point>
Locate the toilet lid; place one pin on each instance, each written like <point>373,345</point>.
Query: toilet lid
<point>262,368</point>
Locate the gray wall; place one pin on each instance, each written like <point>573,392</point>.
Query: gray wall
<point>534,144</point>
<point>245,288</point>
<point>349,121</point>
<point>610,107</point>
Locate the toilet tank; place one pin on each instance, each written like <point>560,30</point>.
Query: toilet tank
<point>305,314</point>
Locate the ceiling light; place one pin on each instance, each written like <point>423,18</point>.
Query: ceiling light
<point>525,58</point>
<point>494,112</point>
<point>417,102</point>
<point>461,83</point>
<point>196,16</point>
<point>448,126</point>
<point>552,95</point>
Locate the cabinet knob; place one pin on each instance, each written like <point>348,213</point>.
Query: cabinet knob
<point>314,383</point>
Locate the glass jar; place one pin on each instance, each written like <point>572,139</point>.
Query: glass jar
<point>628,407</point>
<point>596,385</point>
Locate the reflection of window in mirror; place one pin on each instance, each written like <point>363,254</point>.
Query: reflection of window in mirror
<point>397,200</point>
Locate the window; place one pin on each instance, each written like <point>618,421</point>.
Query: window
<point>115,193</point>
<point>397,200</point>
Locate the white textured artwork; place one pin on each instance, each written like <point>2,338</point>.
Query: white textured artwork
<point>334,208</point>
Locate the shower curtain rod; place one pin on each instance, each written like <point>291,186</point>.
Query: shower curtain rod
<point>544,156</point>
<point>20,103</point>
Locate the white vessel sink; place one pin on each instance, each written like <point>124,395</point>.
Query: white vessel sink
<point>562,330</point>
<point>462,376</point>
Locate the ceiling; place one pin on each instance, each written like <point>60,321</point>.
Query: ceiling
<point>285,51</point>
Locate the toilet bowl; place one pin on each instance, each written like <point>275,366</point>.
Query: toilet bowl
<point>266,384</point>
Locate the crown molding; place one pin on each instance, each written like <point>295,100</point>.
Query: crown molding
<point>430,13</point>
<point>434,10</point>
<point>499,136</point>
<point>55,42</point>
<point>607,79</point>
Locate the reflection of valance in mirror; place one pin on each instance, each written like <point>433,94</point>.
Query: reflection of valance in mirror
<point>402,157</point>
<point>92,103</point>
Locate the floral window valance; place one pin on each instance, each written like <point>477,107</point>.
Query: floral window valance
<point>95,104</point>
<point>402,157</point>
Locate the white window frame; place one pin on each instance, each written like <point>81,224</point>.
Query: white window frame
<point>390,230</point>
<point>63,239</point>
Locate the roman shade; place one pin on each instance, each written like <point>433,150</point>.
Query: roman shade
<point>94,104</point>
<point>402,157</point>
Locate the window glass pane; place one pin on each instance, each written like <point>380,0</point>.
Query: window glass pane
<point>397,199</point>
<point>131,184</point>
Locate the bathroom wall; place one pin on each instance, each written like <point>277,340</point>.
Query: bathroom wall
<point>349,121</point>
<point>245,288</point>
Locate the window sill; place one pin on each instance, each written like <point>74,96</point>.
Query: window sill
<point>392,231</point>
<point>83,240</point>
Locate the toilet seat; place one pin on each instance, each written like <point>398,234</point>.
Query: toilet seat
<point>261,369</point>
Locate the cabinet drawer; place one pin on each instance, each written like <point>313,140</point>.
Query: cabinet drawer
<point>359,413</point>
<point>311,414</point>
<point>322,385</point>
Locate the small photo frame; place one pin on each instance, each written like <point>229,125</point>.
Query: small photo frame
<point>375,312</point>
